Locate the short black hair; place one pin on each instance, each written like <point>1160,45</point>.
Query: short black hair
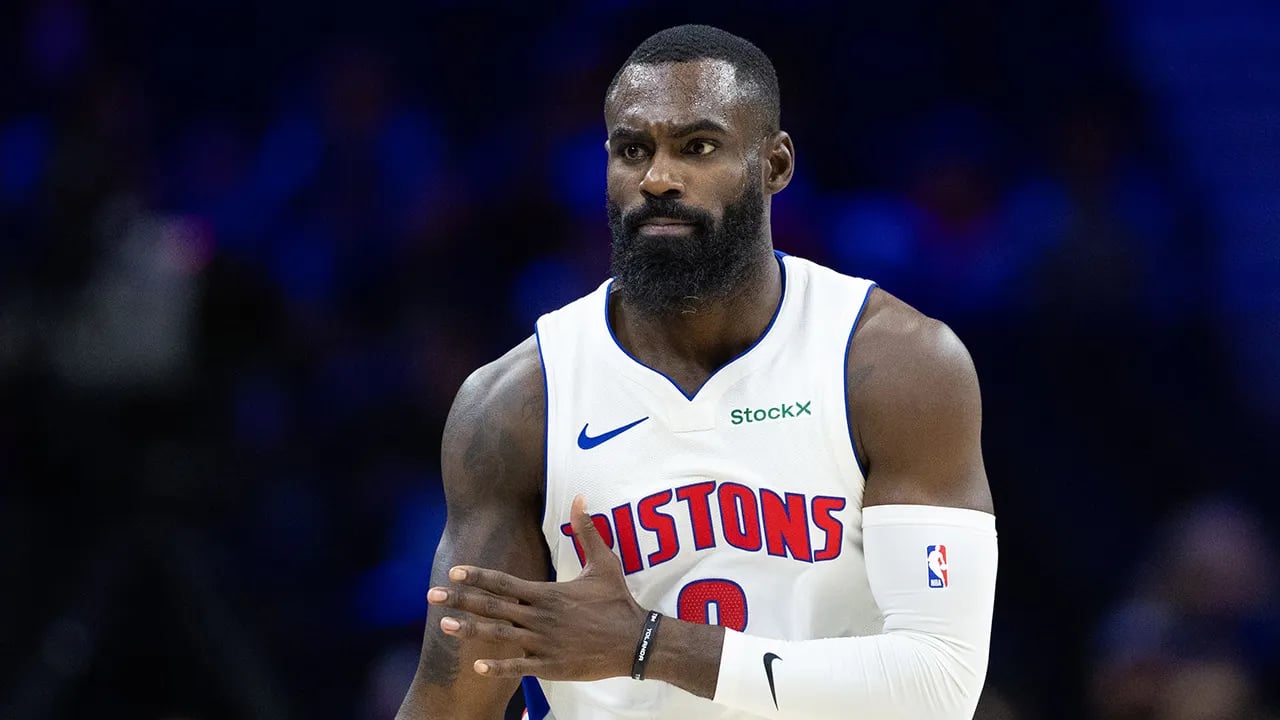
<point>686,43</point>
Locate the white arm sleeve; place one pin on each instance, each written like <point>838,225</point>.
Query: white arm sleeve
<point>932,571</point>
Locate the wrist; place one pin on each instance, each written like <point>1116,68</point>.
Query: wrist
<point>687,655</point>
<point>644,647</point>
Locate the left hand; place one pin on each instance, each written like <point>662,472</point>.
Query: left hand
<point>584,629</point>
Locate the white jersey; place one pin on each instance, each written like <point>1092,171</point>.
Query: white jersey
<point>739,505</point>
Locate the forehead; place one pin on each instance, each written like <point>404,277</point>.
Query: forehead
<point>677,93</point>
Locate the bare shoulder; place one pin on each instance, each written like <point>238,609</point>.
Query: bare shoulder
<point>517,375</point>
<point>905,345</point>
<point>915,409</point>
<point>493,439</point>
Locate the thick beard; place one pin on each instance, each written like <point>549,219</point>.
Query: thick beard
<point>669,276</point>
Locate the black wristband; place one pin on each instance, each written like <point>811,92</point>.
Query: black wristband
<point>644,648</point>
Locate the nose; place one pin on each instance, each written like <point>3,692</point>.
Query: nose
<point>662,178</point>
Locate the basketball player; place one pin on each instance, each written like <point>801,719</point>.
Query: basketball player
<point>756,483</point>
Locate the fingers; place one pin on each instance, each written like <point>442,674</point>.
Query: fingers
<point>497,582</point>
<point>488,631</point>
<point>480,602</point>
<point>515,667</point>
<point>584,528</point>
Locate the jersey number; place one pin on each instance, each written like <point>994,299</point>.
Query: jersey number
<point>714,602</point>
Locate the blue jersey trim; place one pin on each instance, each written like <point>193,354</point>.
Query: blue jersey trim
<point>853,444</point>
<point>777,311</point>
<point>534,699</point>
<point>546,425</point>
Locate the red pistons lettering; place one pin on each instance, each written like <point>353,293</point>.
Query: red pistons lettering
<point>628,542</point>
<point>741,516</point>
<point>785,525</point>
<point>699,512</point>
<point>661,525</point>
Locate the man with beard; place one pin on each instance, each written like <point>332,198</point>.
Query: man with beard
<point>789,515</point>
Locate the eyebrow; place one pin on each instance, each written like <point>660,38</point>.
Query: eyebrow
<point>679,131</point>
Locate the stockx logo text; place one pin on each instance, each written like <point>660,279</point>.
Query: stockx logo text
<point>777,412</point>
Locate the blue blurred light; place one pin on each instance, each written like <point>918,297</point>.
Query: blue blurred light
<point>872,235</point>
<point>289,156</point>
<point>305,263</point>
<point>24,150</point>
<point>544,285</point>
<point>393,592</point>
<point>578,167</point>
<point>409,152</point>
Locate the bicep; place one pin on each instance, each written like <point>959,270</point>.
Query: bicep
<point>492,467</point>
<point>921,417</point>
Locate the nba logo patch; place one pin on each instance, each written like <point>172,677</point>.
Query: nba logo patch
<point>937,563</point>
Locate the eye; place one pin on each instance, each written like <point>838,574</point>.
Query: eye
<point>700,147</point>
<point>634,152</point>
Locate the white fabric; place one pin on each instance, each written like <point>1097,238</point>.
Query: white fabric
<point>783,460</point>
<point>931,659</point>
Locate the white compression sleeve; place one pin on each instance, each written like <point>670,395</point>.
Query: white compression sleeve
<point>932,571</point>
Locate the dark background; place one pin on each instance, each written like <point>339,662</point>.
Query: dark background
<point>249,251</point>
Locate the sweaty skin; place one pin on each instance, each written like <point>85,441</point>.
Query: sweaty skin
<point>914,407</point>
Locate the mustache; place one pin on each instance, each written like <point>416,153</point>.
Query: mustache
<point>664,208</point>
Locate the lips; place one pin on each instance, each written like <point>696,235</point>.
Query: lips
<point>666,216</point>
<point>665,226</point>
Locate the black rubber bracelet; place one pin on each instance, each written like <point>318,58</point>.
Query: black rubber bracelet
<point>644,648</point>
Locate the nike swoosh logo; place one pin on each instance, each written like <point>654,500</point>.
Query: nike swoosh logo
<point>586,442</point>
<point>768,672</point>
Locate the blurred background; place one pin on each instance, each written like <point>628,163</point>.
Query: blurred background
<point>249,251</point>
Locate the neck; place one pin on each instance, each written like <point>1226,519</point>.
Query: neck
<point>689,345</point>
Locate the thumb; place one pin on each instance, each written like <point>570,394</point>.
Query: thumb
<point>584,528</point>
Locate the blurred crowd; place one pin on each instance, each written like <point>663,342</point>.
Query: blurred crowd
<point>249,251</point>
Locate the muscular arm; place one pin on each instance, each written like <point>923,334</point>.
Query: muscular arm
<point>916,410</point>
<point>492,465</point>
